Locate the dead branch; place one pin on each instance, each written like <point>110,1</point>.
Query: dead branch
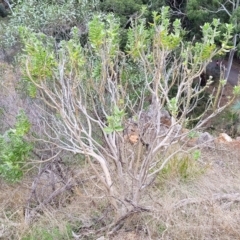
<point>230,198</point>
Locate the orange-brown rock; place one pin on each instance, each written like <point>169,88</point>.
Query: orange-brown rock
<point>131,132</point>
<point>133,138</point>
<point>224,138</point>
<point>192,142</point>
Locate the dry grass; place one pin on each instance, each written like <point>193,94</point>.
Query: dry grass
<point>202,206</point>
<point>10,103</point>
<point>12,201</point>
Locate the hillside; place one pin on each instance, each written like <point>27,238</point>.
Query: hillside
<point>191,199</point>
<point>116,122</point>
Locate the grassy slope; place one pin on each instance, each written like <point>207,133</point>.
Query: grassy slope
<point>204,204</point>
<point>200,201</point>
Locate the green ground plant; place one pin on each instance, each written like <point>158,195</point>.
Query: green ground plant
<point>38,233</point>
<point>14,149</point>
<point>184,168</point>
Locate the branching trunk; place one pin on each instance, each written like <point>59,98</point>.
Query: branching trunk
<point>230,58</point>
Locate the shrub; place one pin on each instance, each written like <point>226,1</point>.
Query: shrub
<point>14,150</point>
<point>92,111</point>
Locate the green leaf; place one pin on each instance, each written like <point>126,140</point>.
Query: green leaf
<point>118,129</point>
<point>172,106</point>
<point>196,154</point>
<point>236,107</point>
<point>108,130</point>
<point>14,150</point>
<point>236,90</point>
<point>96,32</point>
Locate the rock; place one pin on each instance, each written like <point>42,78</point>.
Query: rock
<point>206,139</point>
<point>238,139</point>
<point>133,138</point>
<point>131,132</point>
<point>185,130</point>
<point>151,127</point>
<point>154,125</point>
<point>224,138</point>
<point>165,118</point>
<point>101,238</point>
<point>185,139</point>
<point>192,142</point>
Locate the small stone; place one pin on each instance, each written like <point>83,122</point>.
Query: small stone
<point>224,138</point>
<point>206,139</point>
<point>133,138</point>
<point>238,139</point>
<point>101,238</point>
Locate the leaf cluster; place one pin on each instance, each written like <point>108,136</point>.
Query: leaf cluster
<point>14,150</point>
<point>114,121</point>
